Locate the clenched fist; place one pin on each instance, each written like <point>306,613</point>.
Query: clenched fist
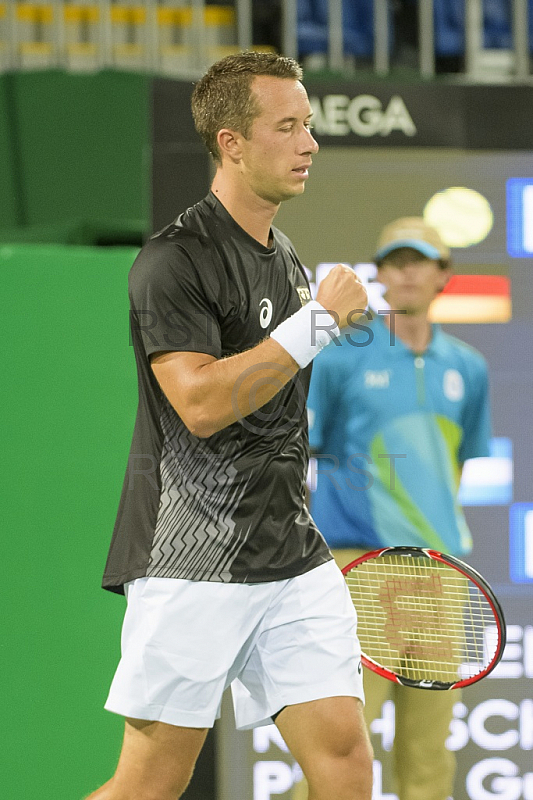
<point>343,295</point>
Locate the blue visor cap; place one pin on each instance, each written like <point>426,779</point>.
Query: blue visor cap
<point>425,248</point>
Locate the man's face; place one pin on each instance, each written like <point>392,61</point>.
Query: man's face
<point>277,154</point>
<point>412,284</point>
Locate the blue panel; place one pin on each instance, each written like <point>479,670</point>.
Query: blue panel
<point>312,27</point>
<point>357,22</point>
<point>449,17</point>
<point>497,18</point>
<point>521,542</point>
<point>520,217</point>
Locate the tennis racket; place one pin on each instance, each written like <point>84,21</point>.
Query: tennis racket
<point>425,620</point>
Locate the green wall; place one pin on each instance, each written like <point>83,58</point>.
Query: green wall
<point>69,402</point>
<point>74,156</point>
<point>9,211</point>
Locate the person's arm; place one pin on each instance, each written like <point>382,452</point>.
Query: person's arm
<point>477,417</point>
<point>209,394</point>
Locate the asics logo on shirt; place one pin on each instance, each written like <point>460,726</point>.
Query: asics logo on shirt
<point>265,315</point>
<point>377,379</point>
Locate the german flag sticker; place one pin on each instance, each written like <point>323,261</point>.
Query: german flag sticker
<point>473,299</point>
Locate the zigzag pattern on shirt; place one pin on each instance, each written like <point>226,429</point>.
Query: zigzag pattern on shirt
<point>195,536</point>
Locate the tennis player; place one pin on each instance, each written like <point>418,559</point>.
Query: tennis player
<point>227,578</point>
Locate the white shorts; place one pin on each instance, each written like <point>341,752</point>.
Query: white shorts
<point>278,643</point>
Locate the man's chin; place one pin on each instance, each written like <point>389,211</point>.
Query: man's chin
<point>295,191</point>
<point>286,192</point>
<point>403,306</point>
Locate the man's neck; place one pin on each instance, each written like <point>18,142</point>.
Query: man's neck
<point>251,212</point>
<point>413,329</point>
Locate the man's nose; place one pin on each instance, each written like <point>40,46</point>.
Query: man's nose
<point>309,143</point>
<point>315,145</point>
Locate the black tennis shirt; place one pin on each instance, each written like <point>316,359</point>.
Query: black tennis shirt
<point>229,507</point>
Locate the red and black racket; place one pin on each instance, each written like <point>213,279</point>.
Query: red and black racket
<point>425,619</point>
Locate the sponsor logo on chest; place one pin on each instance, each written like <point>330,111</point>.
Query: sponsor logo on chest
<point>304,294</point>
<point>377,378</point>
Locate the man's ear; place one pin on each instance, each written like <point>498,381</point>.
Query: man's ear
<point>379,274</point>
<point>445,275</point>
<point>229,144</point>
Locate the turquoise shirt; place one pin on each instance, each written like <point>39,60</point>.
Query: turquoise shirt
<point>391,429</point>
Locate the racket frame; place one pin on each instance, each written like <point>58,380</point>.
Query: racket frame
<point>472,575</point>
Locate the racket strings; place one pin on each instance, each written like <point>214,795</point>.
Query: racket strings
<point>421,618</point>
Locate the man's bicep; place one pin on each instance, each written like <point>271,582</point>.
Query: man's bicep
<point>177,373</point>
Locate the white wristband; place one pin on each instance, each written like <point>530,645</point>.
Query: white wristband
<point>306,333</point>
